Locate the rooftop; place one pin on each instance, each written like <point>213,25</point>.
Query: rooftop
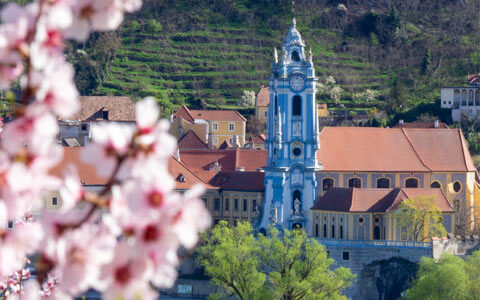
<point>376,200</point>
<point>99,108</point>
<point>208,115</point>
<point>263,97</point>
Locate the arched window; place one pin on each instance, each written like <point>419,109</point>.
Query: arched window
<point>333,231</point>
<point>341,232</point>
<point>411,183</point>
<point>297,106</point>
<point>316,230</point>
<point>355,182</point>
<point>464,97</point>
<point>477,97</point>
<point>361,233</point>
<point>435,185</point>
<point>276,105</point>
<point>324,230</point>
<point>376,232</point>
<point>383,183</point>
<point>297,195</point>
<point>470,98</point>
<point>456,96</point>
<point>327,183</point>
<point>295,56</point>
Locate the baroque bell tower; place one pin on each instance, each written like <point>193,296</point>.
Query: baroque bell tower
<point>292,138</point>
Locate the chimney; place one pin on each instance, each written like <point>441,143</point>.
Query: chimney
<point>235,143</point>
<point>177,154</point>
<point>210,139</point>
<point>400,122</point>
<point>436,123</point>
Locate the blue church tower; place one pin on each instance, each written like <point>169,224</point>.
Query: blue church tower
<point>292,138</point>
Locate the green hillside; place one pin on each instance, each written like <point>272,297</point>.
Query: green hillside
<point>185,51</point>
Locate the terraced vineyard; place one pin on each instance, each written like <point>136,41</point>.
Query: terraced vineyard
<point>220,63</point>
<point>207,57</point>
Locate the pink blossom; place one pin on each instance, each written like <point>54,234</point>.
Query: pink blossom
<point>71,190</point>
<point>83,252</point>
<point>102,15</point>
<point>191,218</point>
<point>147,113</point>
<point>109,142</point>
<point>54,86</point>
<point>126,277</point>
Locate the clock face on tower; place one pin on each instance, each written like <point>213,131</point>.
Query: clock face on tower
<point>297,83</point>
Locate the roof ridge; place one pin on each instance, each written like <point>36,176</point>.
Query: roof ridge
<point>188,169</point>
<point>414,150</point>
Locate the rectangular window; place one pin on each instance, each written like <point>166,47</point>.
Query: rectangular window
<point>231,126</point>
<point>54,201</point>
<point>105,115</point>
<point>235,204</point>
<point>214,126</point>
<point>84,127</point>
<point>316,230</point>
<point>254,205</point>
<point>346,255</point>
<point>341,232</point>
<point>333,231</point>
<point>245,204</point>
<point>324,230</point>
<point>216,204</point>
<point>227,204</point>
<point>265,114</point>
<point>10,224</point>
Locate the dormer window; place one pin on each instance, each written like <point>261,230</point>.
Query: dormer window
<point>181,178</point>
<point>105,114</point>
<point>295,56</point>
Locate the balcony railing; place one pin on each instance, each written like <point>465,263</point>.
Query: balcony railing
<point>376,243</point>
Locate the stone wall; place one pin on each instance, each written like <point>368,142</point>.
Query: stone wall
<point>459,245</point>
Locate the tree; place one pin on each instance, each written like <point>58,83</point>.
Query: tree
<point>448,278</point>
<point>279,266</point>
<point>255,126</point>
<point>336,93</point>
<point>228,256</point>
<point>247,99</point>
<point>426,62</point>
<point>397,96</point>
<point>420,218</point>
<point>299,267</point>
<point>445,279</point>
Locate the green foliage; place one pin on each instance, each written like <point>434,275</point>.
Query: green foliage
<point>426,62</point>
<point>299,267</point>
<point>228,256</point>
<point>420,219</point>
<point>471,131</point>
<point>134,25</point>
<point>448,278</point>
<point>153,26</point>
<point>288,266</point>
<point>398,96</point>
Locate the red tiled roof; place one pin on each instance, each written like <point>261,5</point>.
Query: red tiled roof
<point>92,108</point>
<point>473,78</point>
<point>218,115</point>
<point>184,112</point>
<point>208,115</point>
<point>229,159</point>
<point>258,139</point>
<point>420,124</point>
<point>191,141</point>
<point>393,150</point>
<point>263,96</point>
<point>375,200</point>
<point>239,181</point>
<point>89,176</point>
<point>86,172</point>
<point>177,169</point>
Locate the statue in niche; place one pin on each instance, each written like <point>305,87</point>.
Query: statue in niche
<point>296,207</point>
<point>284,55</point>
<point>275,55</point>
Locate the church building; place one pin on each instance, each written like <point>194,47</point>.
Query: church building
<point>292,138</point>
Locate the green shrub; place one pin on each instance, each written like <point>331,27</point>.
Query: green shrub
<point>153,26</point>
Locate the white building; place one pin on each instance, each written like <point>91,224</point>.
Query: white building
<point>462,100</point>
